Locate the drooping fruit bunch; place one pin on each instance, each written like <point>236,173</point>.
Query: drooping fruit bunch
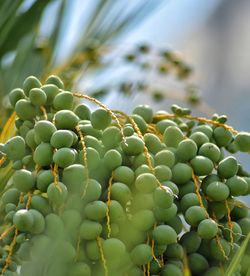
<point>103,193</point>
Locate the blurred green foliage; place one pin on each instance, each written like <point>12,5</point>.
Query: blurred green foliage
<point>25,51</point>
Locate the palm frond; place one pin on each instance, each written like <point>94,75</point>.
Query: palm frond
<point>235,262</point>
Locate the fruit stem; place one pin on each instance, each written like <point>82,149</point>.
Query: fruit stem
<point>199,119</point>
<point>55,175</point>
<point>44,112</point>
<point>220,247</point>
<point>153,253</point>
<point>229,223</point>
<point>111,113</point>
<point>102,256</point>
<point>29,200</point>
<point>198,192</point>
<point>85,160</point>
<point>108,204</point>
<point>8,259</point>
<point>6,232</point>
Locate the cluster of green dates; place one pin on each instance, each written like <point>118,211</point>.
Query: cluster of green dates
<point>153,195</point>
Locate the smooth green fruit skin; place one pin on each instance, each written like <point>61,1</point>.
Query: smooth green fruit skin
<point>199,138</point>
<point>62,138</point>
<point>165,215</point>
<point>164,234</point>
<point>153,143</point>
<point>237,185</point>
<point>242,141</point>
<point>245,225</point>
<point>44,178</point>
<point>197,263</point>
<point>188,200</point>
<point>143,220</point>
<point>134,145</point>
<point>63,100</point>
<point>92,250</point>
<point>145,111</point>
<point>57,194</point>
<point>227,167</point>
<point>222,136</point>
<point>30,139</point>
<point>113,248</point>
<point>217,191</point>
<point>52,79</point>
<point>141,254</point>
<point>165,157</point>
<point>93,190</point>
<point>116,211</point>
<point>39,222</point>
<point>44,130</point>
<point>95,210</point>
<point>164,124</point>
<point>181,173</point>
<point>100,118</point>
<point>207,180</point>
<point>202,165</point>
<point>64,157</point>
<point>163,197</point>
<point>120,192</point>
<point>51,91</point>
<point>171,269</point>
<point>111,137</point>
<point>41,204</point>
<point>23,220</point>
<point>172,136</point>
<point>207,229</point>
<point>29,83</point>
<point>25,110</point>
<point>16,95</point>
<point>37,97</point>
<point>195,214</point>
<point>79,269</point>
<point>43,154</point>
<point>175,250</point>
<point>213,271</point>
<point>90,230</point>
<point>11,196</point>
<point>112,159</point>
<point>190,241</point>
<point>66,119</point>
<point>24,180</point>
<point>176,224</point>
<point>124,174</point>
<point>146,183</point>
<point>211,151</point>
<point>140,122</point>
<point>188,187</point>
<point>206,129</point>
<point>82,111</point>
<point>142,201</point>
<point>163,173</point>
<point>74,177</point>
<point>15,148</point>
<point>186,150</point>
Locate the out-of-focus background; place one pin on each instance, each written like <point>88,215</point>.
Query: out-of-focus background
<point>128,52</point>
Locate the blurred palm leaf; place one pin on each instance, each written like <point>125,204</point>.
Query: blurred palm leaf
<point>236,261</point>
<point>25,51</point>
